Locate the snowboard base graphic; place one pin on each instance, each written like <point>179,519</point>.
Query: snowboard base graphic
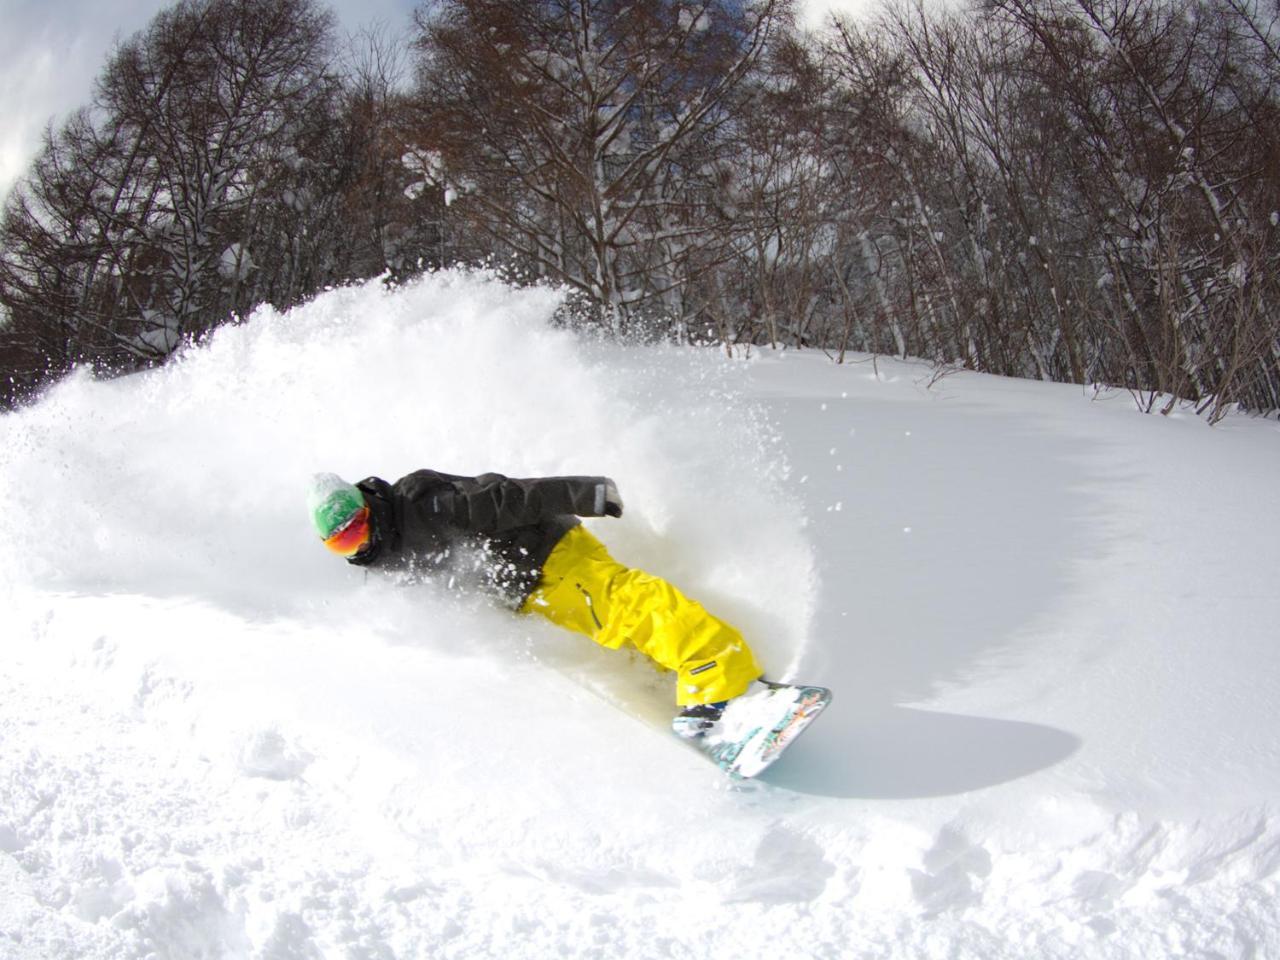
<point>758,727</point>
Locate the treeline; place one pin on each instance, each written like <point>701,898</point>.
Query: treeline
<point>1077,190</point>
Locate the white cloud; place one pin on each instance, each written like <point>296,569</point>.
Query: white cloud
<point>27,83</point>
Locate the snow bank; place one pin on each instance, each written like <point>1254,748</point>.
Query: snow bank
<point>1049,622</point>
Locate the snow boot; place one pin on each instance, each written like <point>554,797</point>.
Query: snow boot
<point>696,721</point>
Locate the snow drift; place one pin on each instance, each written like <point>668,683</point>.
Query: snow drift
<point>1049,622</point>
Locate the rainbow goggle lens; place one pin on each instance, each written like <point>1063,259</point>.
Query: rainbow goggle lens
<point>352,537</point>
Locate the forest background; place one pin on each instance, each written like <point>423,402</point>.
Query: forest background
<point>1075,190</point>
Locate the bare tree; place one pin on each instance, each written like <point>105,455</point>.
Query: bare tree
<point>147,218</point>
<point>1079,190</point>
<point>588,137</point>
<point>214,89</point>
<point>392,222</point>
<point>1163,101</point>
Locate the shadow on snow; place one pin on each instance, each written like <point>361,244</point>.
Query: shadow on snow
<point>942,530</point>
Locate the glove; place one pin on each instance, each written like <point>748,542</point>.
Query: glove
<point>612,502</point>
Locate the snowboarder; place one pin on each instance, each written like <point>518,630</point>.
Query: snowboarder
<point>523,540</point>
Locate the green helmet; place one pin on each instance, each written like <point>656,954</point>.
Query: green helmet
<point>332,503</point>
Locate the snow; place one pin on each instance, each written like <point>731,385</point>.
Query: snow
<point>162,335</point>
<point>236,263</point>
<point>1048,621</point>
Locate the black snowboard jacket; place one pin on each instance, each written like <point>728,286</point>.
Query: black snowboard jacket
<point>491,529</point>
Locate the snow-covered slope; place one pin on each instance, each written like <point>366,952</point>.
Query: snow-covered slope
<point>1049,622</point>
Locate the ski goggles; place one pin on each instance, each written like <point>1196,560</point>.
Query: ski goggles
<point>352,537</point>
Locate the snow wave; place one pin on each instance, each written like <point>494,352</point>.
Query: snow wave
<point>187,480</point>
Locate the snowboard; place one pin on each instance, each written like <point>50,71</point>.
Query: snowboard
<point>763,726</point>
<point>759,726</point>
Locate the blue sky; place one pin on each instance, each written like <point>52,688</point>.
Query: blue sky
<point>51,50</point>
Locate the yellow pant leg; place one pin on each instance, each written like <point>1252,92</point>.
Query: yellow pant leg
<point>586,590</point>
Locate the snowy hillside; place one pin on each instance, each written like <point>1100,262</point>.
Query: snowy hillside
<point>1049,622</point>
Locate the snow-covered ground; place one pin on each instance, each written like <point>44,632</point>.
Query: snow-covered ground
<point>1050,623</point>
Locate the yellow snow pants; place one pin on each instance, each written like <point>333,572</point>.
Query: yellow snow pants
<point>586,590</point>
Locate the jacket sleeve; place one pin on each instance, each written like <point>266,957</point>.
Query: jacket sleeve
<point>494,504</point>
